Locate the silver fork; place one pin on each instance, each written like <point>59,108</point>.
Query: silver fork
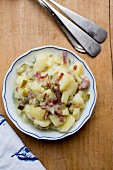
<point>88,43</point>
<point>94,30</point>
<point>69,36</point>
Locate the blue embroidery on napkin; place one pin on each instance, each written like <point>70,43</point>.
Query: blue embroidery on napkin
<point>24,154</point>
<point>2,120</point>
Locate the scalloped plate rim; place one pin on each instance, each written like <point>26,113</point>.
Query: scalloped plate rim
<point>62,134</point>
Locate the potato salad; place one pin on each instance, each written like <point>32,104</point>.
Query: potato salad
<point>51,91</point>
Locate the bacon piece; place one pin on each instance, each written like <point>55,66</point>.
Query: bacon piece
<point>85,83</point>
<point>45,96</point>
<point>30,95</point>
<point>21,102</point>
<point>48,84</point>
<point>59,78</point>
<point>64,57</point>
<point>43,105</point>
<point>46,115</point>
<point>54,101</point>
<point>50,104</point>
<point>61,118</point>
<point>59,103</point>
<point>42,77</point>
<point>58,112</point>
<point>57,93</point>
<point>38,75</point>
<point>75,67</point>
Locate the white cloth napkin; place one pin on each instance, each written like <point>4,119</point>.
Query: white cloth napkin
<point>14,155</point>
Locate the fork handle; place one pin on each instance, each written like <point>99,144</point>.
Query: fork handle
<point>88,43</point>
<point>95,31</point>
<point>69,36</point>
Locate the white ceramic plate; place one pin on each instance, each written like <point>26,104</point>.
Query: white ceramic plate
<point>10,107</point>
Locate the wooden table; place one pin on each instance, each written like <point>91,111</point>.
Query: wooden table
<point>24,24</point>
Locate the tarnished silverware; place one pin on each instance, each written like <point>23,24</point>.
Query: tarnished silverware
<point>72,40</point>
<point>69,36</point>
<point>95,31</point>
<point>88,43</point>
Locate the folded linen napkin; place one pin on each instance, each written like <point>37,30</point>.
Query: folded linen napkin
<point>14,155</point>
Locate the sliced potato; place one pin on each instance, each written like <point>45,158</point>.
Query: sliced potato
<point>19,93</point>
<point>78,79</point>
<point>21,81</point>
<point>79,70</point>
<point>72,88</point>
<point>41,62</point>
<point>35,112</point>
<point>55,120</point>
<point>51,109</point>
<point>35,86</point>
<point>67,125</point>
<point>43,123</point>
<point>78,101</point>
<point>39,97</point>
<point>20,112</point>
<point>85,95</point>
<point>59,59</point>
<point>65,97</point>
<point>61,107</point>
<point>71,108</point>
<point>76,113</point>
<point>65,82</point>
<point>65,112</point>
<point>25,118</point>
<point>51,95</point>
<point>50,62</point>
<point>62,69</point>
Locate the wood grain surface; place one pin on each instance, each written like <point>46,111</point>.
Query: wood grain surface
<point>24,24</point>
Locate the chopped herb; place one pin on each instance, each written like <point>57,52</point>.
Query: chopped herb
<point>23,83</point>
<point>50,77</point>
<point>25,100</point>
<point>69,61</point>
<point>45,69</point>
<point>37,103</point>
<point>51,55</point>
<point>34,60</point>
